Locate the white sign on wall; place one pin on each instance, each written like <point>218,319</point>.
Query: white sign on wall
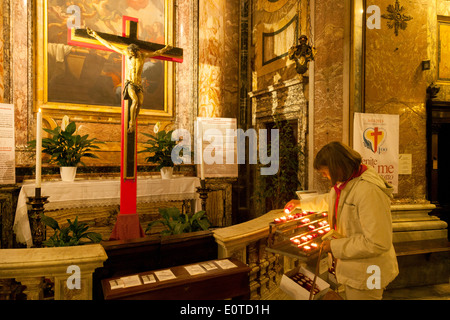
<point>7,145</point>
<point>376,138</point>
<point>216,142</point>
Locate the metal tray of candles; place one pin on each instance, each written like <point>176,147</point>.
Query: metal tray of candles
<point>298,234</point>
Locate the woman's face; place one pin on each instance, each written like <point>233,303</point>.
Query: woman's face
<point>325,172</point>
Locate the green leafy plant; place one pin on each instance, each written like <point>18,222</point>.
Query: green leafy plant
<point>160,146</point>
<point>177,222</point>
<point>273,191</point>
<point>71,235</point>
<point>67,148</point>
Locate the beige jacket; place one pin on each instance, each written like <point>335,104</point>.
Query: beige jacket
<point>364,219</point>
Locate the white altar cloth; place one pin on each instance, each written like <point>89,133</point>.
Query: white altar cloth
<point>95,193</point>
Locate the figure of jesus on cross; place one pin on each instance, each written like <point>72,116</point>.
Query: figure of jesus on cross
<point>134,63</point>
<point>134,53</point>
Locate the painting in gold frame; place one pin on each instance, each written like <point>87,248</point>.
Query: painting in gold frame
<point>88,81</point>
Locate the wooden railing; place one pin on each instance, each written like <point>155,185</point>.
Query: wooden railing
<point>247,242</point>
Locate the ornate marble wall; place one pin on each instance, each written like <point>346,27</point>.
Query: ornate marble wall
<point>327,117</point>
<point>2,59</point>
<point>21,72</point>
<point>396,84</point>
<point>218,63</point>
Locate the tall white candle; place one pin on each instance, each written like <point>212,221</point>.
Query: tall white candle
<point>38,148</point>
<point>202,166</point>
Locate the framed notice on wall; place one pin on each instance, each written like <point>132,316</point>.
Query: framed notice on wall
<point>7,145</point>
<point>216,147</point>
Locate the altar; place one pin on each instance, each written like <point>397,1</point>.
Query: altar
<point>101,192</point>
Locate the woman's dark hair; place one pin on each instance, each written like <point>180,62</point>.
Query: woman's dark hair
<point>341,161</point>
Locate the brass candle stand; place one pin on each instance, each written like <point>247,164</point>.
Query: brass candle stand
<point>203,191</point>
<point>34,215</point>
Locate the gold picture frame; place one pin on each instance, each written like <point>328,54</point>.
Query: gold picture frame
<point>66,74</point>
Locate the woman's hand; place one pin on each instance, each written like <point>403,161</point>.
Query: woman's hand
<point>326,246</point>
<point>291,205</point>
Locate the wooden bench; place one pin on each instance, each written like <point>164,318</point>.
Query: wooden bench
<point>214,284</point>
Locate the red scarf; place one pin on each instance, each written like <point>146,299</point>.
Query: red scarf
<point>339,188</point>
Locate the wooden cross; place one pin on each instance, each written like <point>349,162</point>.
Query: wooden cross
<point>127,226</point>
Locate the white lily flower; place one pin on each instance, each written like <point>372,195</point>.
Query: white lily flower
<point>156,127</point>
<point>65,122</point>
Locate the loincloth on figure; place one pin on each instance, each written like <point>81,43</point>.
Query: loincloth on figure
<point>137,88</point>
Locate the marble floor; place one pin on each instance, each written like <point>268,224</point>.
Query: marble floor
<point>433,292</point>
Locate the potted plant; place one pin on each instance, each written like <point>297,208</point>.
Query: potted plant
<point>178,223</point>
<point>66,148</point>
<point>70,235</point>
<point>160,146</point>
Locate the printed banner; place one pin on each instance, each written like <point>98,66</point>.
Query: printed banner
<point>376,138</point>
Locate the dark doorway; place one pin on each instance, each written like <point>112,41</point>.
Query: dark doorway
<point>438,158</point>
<point>444,165</point>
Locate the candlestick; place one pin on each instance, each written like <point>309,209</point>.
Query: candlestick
<point>203,191</point>
<point>38,148</point>
<point>37,227</point>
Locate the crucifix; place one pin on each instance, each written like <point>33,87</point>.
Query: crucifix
<point>133,53</point>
